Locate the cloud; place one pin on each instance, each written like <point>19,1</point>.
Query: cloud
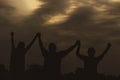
<point>5,13</point>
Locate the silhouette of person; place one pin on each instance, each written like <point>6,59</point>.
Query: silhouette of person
<point>17,62</point>
<point>52,59</point>
<point>91,62</point>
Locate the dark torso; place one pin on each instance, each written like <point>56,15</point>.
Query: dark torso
<point>18,59</point>
<point>53,63</point>
<point>91,64</point>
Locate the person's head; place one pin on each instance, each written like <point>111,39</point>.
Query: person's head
<point>21,44</point>
<point>52,47</point>
<point>91,52</point>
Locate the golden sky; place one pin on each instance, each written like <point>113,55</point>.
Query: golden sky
<point>25,8</point>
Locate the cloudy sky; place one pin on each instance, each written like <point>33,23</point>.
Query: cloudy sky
<point>94,22</point>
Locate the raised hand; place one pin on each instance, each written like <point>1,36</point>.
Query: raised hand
<point>12,40</point>
<point>104,52</point>
<point>31,43</point>
<point>12,33</point>
<point>43,49</point>
<point>39,34</point>
<point>109,45</point>
<point>78,42</point>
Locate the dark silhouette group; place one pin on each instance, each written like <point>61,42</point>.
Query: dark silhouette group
<point>51,70</point>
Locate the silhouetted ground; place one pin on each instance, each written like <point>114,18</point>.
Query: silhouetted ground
<point>35,72</point>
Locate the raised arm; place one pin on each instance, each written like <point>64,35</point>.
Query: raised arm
<point>67,51</point>
<point>78,51</point>
<point>43,50</point>
<point>12,40</point>
<point>31,43</point>
<point>105,51</point>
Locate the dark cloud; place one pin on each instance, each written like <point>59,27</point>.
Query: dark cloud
<point>51,8</point>
<point>5,12</point>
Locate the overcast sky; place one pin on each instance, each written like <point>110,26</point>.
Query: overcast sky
<point>94,22</point>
